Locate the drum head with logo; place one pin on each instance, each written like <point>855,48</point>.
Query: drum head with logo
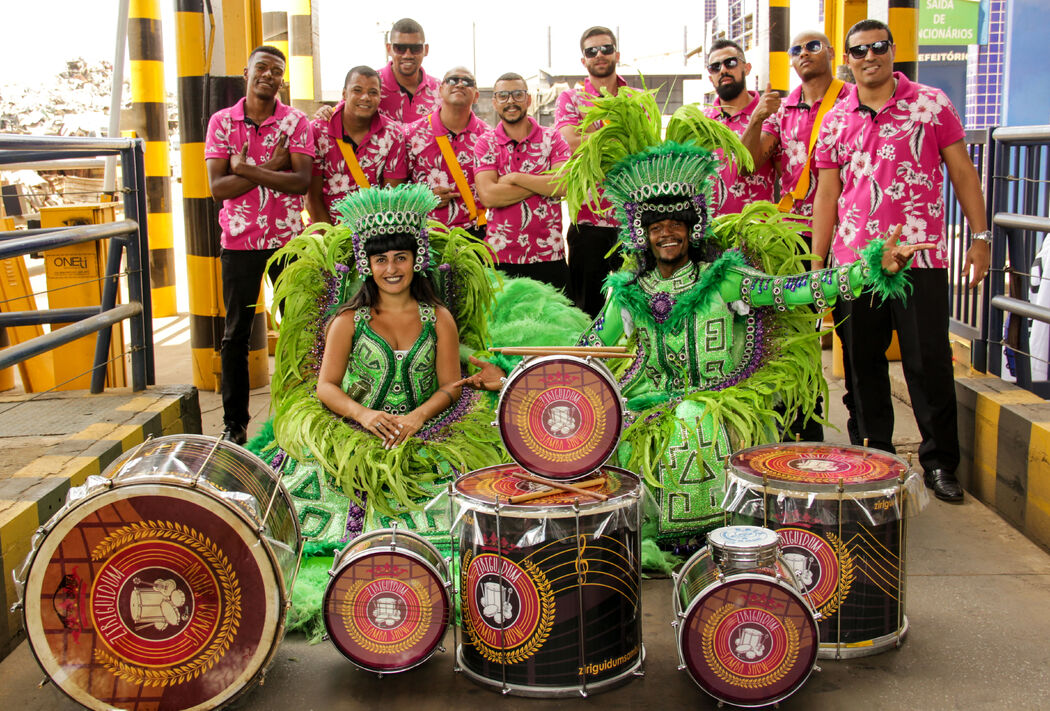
<point>749,641</point>
<point>818,466</point>
<point>386,610</point>
<point>560,417</point>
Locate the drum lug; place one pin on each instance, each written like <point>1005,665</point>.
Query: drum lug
<point>817,668</point>
<point>638,672</point>
<point>583,693</point>
<point>681,667</point>
<point>325,637</point>
<point>493,424</point>
<point>262,679</point>
<point>43,682</point>
<point>16,606</point>
<point>441,648</point>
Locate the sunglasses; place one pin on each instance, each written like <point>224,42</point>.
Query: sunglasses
<point>407,48</point>
<point>813,46</point>
<point>460,81</point>
<point>592,52</point>
<point>505,96</point>
<point>731,63</point>
<point>860,51</point>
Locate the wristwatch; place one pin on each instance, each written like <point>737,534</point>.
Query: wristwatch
<point>985,236</point>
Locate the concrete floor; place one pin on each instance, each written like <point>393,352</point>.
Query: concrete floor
<point>978,596</point>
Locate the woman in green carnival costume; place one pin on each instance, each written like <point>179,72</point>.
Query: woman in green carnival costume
<point>706,307</point>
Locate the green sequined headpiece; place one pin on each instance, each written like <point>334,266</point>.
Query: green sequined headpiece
<point>404,209</point>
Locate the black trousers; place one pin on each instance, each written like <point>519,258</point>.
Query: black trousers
<point>921,321</point>
<point>242,273</point>
<point>588,265</point>
<point>555,272</point>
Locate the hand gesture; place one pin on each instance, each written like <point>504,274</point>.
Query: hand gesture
<point>445,195</point>
<point>382,424</point>
<point>490,377</point>
<point>407,425</point>
<point>239,159</point>
<point>324,113</point>
<point>280,159</point>
<point>978,256</point>
<point>768,104</point>
<point>896,256</point>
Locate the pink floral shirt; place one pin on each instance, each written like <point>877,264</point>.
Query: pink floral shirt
<point>427,165</point>
<point>261,218</point>
<point>398,105</point>
<point>569,112</point>
<point>792,127</point>
<point>528,231</point>
<point>734,192</point>
<point>891,168</point>
<point>381,155</point>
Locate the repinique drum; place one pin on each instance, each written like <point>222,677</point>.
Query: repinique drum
<point>745,633</point>
<point>841,514</point>
<point>164,582</point>
<point>386,607</point>
<point>560,416</point>
<point>549,587</point>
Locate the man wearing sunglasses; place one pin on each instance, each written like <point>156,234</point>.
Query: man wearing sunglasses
<point>514,167</point>
<point>881,153</point>
<point>409,93</point>
<point>441,152</point>
<point>728,70</point>
<point>593,232</point>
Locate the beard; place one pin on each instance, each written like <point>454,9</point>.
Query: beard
<point>608,71</point>
<point>728,92</point>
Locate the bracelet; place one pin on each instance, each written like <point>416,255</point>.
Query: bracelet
<point>985,236</point>
<point>446,393</point>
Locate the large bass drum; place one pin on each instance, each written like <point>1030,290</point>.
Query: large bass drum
<point>164,582</point>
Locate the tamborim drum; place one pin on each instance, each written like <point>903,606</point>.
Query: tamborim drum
<point>746,635</point>
<point>560,416</point>
<point>841,514</point>
<point>163,583</point>
<point>549,588</point>
<point>386,608</point>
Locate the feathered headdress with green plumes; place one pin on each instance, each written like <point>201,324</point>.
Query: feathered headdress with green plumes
<point>641,166</point>
<point>404,209</point>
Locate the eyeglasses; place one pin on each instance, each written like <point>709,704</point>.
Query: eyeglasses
<point>399,48</point>
<point>592,52</point>
<point>860,51</point>
<point>813,46</point>
<point>731,63</point>
<point>505,96</point>
<point>460,81</point>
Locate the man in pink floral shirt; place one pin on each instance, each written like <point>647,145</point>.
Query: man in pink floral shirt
<point>357,132</point>
<point>881,153</point>
<point>455,121</point>
<point>258,155</point>
<point>728,71</point>
<point>409,93</point>
<point>593,233</point>
<point>524,230</point>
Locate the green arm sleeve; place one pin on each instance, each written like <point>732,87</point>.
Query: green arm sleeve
<point>821,288</point>
<point>607,329</point>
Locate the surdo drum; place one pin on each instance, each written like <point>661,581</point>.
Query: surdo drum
<point>841,512</point>
<point>746,634</point>
<point>164,582</point>
<point>549,588</point>
<point>386,607</point>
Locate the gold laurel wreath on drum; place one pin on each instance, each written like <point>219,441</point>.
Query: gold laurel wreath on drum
<point>521,421</point>
<point>231,616</point>
<point>426,613</point>
<point>708,646</point>
<point>543,628</point>
<point>846,576</point>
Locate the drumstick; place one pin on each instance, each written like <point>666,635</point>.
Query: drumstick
<point>566,349</point>
<point>543,493</point>
<point>560,485</point>
<point>523,351</point>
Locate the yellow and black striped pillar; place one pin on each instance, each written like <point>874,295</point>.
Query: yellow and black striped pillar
<point>779,41</point>
<point>150,112</point>
<point>201,216</point>
<point>904,24</point>
<point>303,67</point>
<point>275,34</point>
<point>839,16</point>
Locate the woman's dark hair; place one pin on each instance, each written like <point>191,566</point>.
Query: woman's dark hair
<point>421,288</point>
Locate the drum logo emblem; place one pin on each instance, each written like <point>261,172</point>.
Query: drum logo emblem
<point>822,567</point>
<point>749,647</point>
<point>562,422</point>
<point>509,608</point>
<point>817,465</point>
<point>386,615</point>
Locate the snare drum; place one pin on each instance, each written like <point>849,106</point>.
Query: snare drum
<point>745,633</point>
<point>560,416</point>
<point>386,607</point>
<point>164,582</point>
<point>549,588</point>
<point>841,514</point>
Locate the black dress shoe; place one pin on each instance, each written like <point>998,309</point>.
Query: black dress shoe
<point>238,434</point>
<point>944,484</point>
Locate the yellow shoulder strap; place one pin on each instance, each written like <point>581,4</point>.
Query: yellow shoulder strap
<point>353,165</point>
<point>787,202</point>
<point>457,175</point>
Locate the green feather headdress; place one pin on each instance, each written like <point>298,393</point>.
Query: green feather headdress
<point>404,209</point>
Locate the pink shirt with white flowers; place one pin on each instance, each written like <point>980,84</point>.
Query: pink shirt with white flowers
<point>261,218</point>
<point>381,155</point>
<point>792,126</point>
<point>427,165</point>
<point>569,112</point>
<point>734,192</point>
<point>528,231</point>
<point>398,105</point>
<point>891,169</point>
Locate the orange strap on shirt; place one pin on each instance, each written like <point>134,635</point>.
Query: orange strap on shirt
<point>351,162</point>
<point>787,202</point>
<point>458,176</point>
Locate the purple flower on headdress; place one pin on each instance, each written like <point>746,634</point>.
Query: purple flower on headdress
<point>660,304</point>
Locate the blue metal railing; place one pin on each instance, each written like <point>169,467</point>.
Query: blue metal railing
<point>128,239</point>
